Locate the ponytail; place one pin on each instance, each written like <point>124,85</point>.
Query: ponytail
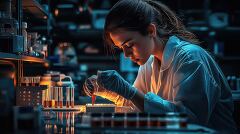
<point>168,23</point>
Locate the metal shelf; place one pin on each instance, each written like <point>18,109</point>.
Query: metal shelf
<point>35,8</point>
<point>9,56</point>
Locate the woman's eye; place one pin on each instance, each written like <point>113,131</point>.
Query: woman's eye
<point>115,47</point>
<point>129,45</point>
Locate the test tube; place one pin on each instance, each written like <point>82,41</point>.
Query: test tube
<point>49,97</point>
<point>56,96</point>
<point>27,81</point>
<point>43,98</point>
<point>67,97</point>
<point>38,80</point>
<point>72,97</point>
<point>52,97</point>
<point>60,93</point>
<point>32,81</point>
<point>45,103</point>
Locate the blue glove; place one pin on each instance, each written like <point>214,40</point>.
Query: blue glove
<point>112,81</point>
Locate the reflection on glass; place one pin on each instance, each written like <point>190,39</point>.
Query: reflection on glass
<point>63,123</point>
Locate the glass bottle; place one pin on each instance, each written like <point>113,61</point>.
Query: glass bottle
<point>25,36</point>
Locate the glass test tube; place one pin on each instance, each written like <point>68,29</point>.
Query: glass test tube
<point>45,104</point>
<point>56,97</point>
<point>72,97</point>
<point>32,81</point>
<point>43,98</point>
<point>67,97</point>
<point>27,81</point>
<point>60,96</point>
<point>35,80</point>
<point>50,97</point>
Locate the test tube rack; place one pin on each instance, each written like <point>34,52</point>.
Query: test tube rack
<point>59,98</point>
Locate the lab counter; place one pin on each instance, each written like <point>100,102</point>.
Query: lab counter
<point>79,121</point>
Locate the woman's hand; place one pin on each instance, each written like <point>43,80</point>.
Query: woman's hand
<point>90,85</point>
<point>112,81</point>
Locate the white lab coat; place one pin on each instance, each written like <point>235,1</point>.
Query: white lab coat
<point>190,81</point>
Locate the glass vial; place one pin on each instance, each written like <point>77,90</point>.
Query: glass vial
<point>25,36</point>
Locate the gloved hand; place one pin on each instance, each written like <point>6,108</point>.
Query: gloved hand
<point>112,81</point>
<point>91,87</point>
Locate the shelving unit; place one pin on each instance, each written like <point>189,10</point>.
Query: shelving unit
<point>33,7</point>
<point>34,13</point>
<point>9,56</point>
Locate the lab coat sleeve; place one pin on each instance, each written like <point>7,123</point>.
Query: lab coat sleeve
<point>192,93</point>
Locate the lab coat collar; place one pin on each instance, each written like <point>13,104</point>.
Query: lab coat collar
<point>169,52</point>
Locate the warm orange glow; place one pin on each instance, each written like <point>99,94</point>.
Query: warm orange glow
<point>114,97</point>
<point>56,12</point>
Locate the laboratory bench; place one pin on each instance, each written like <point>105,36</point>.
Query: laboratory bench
<point>80,121</point>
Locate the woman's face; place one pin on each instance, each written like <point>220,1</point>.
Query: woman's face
<point>134,45</point>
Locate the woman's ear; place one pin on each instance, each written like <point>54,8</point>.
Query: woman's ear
<point>152,30</point>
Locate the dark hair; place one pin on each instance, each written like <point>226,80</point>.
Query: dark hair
<point>136,15</point>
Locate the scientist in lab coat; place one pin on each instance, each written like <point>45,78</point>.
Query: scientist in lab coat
<point>175,74</point>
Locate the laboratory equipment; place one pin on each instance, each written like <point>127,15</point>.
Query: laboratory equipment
<point>56,98</point>
<point>67,97</point>
<point>60,93</point>
<point>25,36</point>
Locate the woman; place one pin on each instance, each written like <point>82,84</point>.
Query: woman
<point>174,75</point>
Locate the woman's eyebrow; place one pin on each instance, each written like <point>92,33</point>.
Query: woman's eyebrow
<point>125,42</point>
